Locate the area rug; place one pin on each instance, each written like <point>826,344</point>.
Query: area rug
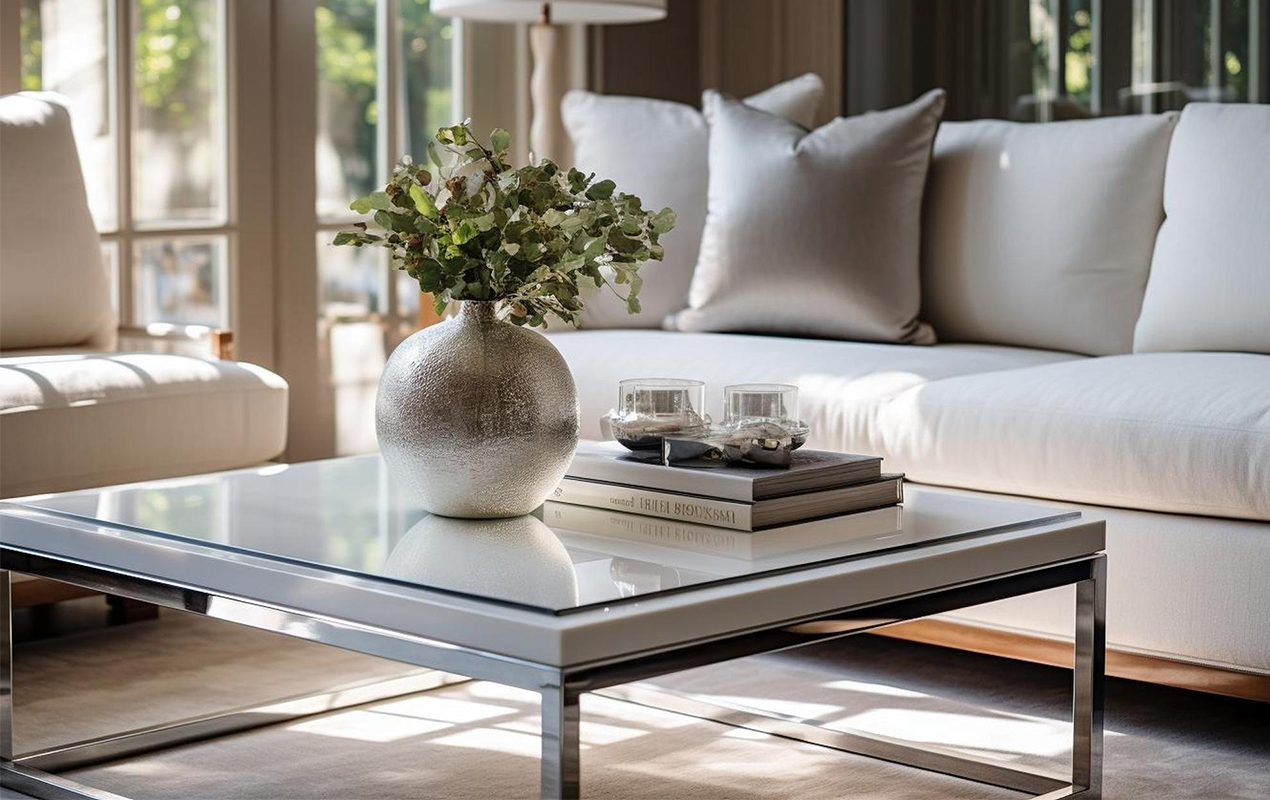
<point>480,740</point>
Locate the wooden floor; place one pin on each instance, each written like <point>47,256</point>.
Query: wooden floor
<point>1120,664</point>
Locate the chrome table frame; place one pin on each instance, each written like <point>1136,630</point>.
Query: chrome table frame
<point>560,688</point>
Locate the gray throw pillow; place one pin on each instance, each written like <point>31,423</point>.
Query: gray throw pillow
<point>656,150</point>
<point>814,233</point>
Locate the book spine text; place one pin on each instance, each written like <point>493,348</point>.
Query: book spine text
<point>721,513</point>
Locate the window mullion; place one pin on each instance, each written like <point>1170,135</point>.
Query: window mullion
<point>1257,41</point>
<point>10,48</point>
<point>121,106</point>
<point>389,99</point>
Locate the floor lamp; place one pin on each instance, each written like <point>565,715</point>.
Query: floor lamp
<point>547,136</point>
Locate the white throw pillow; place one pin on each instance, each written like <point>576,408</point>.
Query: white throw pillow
<point>1210,278</point>
<point>814,233</point>
<point>1040,235</point>
<point>656,150</point>
<point>55,290</point>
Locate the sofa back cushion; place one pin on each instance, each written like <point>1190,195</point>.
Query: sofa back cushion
<point>56,292</point>
<point>1040,235</point>
<point>656,150</point>
<point>1210,278</point>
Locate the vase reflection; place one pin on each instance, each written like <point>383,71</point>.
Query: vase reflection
<point>517,559</point>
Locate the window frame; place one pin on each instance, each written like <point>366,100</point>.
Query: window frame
<point>390,142</point>
<point>125,235</point>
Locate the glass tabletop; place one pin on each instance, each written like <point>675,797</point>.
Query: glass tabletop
<point>345,515</point>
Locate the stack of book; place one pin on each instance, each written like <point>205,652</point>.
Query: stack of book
<point>743,498</point>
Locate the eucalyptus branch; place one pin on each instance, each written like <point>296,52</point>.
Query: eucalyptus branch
<point>524,237</point>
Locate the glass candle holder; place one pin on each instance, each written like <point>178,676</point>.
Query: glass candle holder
<point>760,402</point>
<point>649,409</point>
<point>761,419</point>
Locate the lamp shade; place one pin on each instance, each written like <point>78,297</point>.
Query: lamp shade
<point>563,12</point>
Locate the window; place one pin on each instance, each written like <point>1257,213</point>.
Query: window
<point>385,83</point>
<point>146,81</point>
<point>1092,58</point>
<point>194,120</point>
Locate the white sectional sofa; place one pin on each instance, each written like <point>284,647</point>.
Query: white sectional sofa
<point>74,412</point>
<point>1104,344</point>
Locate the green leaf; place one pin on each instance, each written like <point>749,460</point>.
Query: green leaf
<point>498,264</point>
<point>594,248</point>
<point>394,221</point>
<point>539,238</point>
<point>623,244</point>
<point>664,221</point>
<point>578,180</point>
<point>532,251</point>
<point>423,202</point>
<point>603,190</point>
<point>464,233</point>
<point>355,238</point>
<point>500,141</point>
<point>374,200</point>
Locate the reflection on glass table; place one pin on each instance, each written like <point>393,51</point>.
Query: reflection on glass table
<point>347,516</point>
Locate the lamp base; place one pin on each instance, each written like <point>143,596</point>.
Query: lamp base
<point>547,86</point>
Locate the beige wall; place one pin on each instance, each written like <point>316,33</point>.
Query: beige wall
<point>738,46</point>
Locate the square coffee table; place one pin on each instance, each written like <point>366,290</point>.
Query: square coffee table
<point>568,601</point>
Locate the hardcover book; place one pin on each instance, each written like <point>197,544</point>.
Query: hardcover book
<point>738,515</point>
<point>811,470</point>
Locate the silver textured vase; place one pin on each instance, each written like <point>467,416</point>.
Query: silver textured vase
<point>477,417</point>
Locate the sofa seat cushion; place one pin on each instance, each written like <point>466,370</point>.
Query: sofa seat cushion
<point>842,384</point>
<point>74,421</point>
<point>1179,432</point>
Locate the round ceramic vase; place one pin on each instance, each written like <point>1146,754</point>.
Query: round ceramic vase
<point>476,417</point>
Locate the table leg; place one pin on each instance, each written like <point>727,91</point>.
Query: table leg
<point>560,764</point>
<point>1087,680</point>
<point>6,667</point>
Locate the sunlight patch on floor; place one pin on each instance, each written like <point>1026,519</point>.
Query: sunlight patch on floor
<point>786,708</point>
<point>369,726</point>
<point>991,734</point>
<point>485,690</point>
<point>621,712</point>
<point>503,741</point>
<point>872,688</point>
<point>444,709</point>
